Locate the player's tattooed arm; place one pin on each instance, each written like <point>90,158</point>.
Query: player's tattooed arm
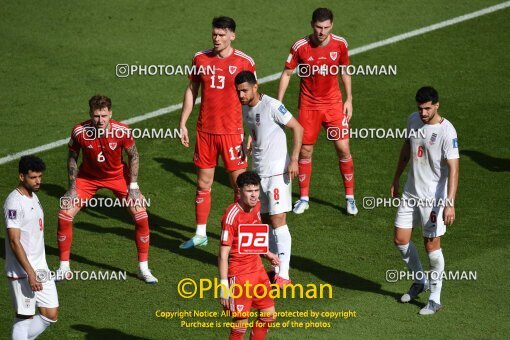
<point>405,155</point>
<point>134,162</point>
<point>72,172</point>
<point>134,192</point>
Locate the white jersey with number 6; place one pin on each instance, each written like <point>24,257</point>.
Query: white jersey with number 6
<point>266,122</point>
<point>431,146</point>
<point>26,214</point>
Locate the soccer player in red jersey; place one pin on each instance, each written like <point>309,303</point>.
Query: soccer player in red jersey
<point>219,126</point>
<point>102,139</point>
<point>245,270</point>
<point>319,58</point>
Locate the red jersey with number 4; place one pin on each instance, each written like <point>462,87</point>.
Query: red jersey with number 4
<point>319,90</point>
<point>220,109</point>
<point>232,218</point>
<point>102,153</point>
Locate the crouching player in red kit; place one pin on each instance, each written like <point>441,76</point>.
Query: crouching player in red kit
<point>245,270</point>
<point>102,140</point>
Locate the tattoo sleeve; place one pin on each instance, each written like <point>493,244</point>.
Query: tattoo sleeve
<point>134,162</point>
<point>72,168</point>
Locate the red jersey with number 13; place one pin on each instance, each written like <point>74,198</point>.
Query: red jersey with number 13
<point>319,91</point>
<point>102,155</point>
<point>232,218</point>
<point>220,109</point>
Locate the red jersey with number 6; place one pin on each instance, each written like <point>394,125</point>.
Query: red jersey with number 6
<point>102,153</point>
<point>319,68</point>
<point>220,109</point>
<point>232,218</point>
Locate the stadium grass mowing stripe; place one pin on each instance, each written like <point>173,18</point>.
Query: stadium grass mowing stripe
<point>275,76</point>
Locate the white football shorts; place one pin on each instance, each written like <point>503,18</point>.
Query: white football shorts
<point>25,300</point>
<point>275,194</point>
<point>430,218</point>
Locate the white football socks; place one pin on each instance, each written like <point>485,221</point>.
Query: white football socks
<point>38,325</point>
<point>201,230</point>
<point>436,260</point>
<point>273,247</point>
<point>65,265</point>
<point>412,259</point>
<point>144,266</point>
<point>284,244</point>
<point>20,328</point>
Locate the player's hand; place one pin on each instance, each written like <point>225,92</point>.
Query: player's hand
<point>449,215</point>
<point>225,303</point>
<point>34,284</point>
<point>68,200</point>
<point>136,200</point>
<point>348,109</point>
<point>394,189</point>
<point>273,258</point>
<point>293,169</point>
<point>184,136</point>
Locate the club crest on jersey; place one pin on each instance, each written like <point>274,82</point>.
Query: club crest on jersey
<point>12,214</point>
<point>232,69</point>
<point>257,119</point>
<point>282,109</point>
<point>112,146</point>
<point>433,138</point>
<point>333,55</point>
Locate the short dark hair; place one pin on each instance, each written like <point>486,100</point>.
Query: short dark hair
<point>99,102</point>
<point>224,22</point>
<point>322,14</point>
<point>31,163</point>
<point>427,94</point>
<point>247,178</point>
<point>246,76</point>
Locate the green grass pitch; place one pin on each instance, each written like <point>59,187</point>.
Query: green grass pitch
<point>55,55</point>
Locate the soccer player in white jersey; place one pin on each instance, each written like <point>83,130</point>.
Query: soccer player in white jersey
<point>433,152</point>
<point>266,119</point>
<point>25,259</point>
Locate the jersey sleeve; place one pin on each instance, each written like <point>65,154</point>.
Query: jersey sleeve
<point>280,113</point>
<point>344,54</point>
<point>74,141</point>
<point>127,139</point>
<point>450,143</point>
<point>292,60</point>
<point>227,232</point>
<point>194,76</point>
<point>13,213</point>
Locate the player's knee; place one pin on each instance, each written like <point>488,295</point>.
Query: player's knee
<point>278,220</point>
<point>400,241</point>
<point>204,183</point>
<point>51,314</point>
<point>306,151</point>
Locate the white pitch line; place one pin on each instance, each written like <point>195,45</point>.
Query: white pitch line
<point>275,76</point>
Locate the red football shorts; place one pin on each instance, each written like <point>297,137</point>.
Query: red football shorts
<point>209,146</point>
<point>256,296</point>
<point>332,119</point>
<point>86,187</point>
